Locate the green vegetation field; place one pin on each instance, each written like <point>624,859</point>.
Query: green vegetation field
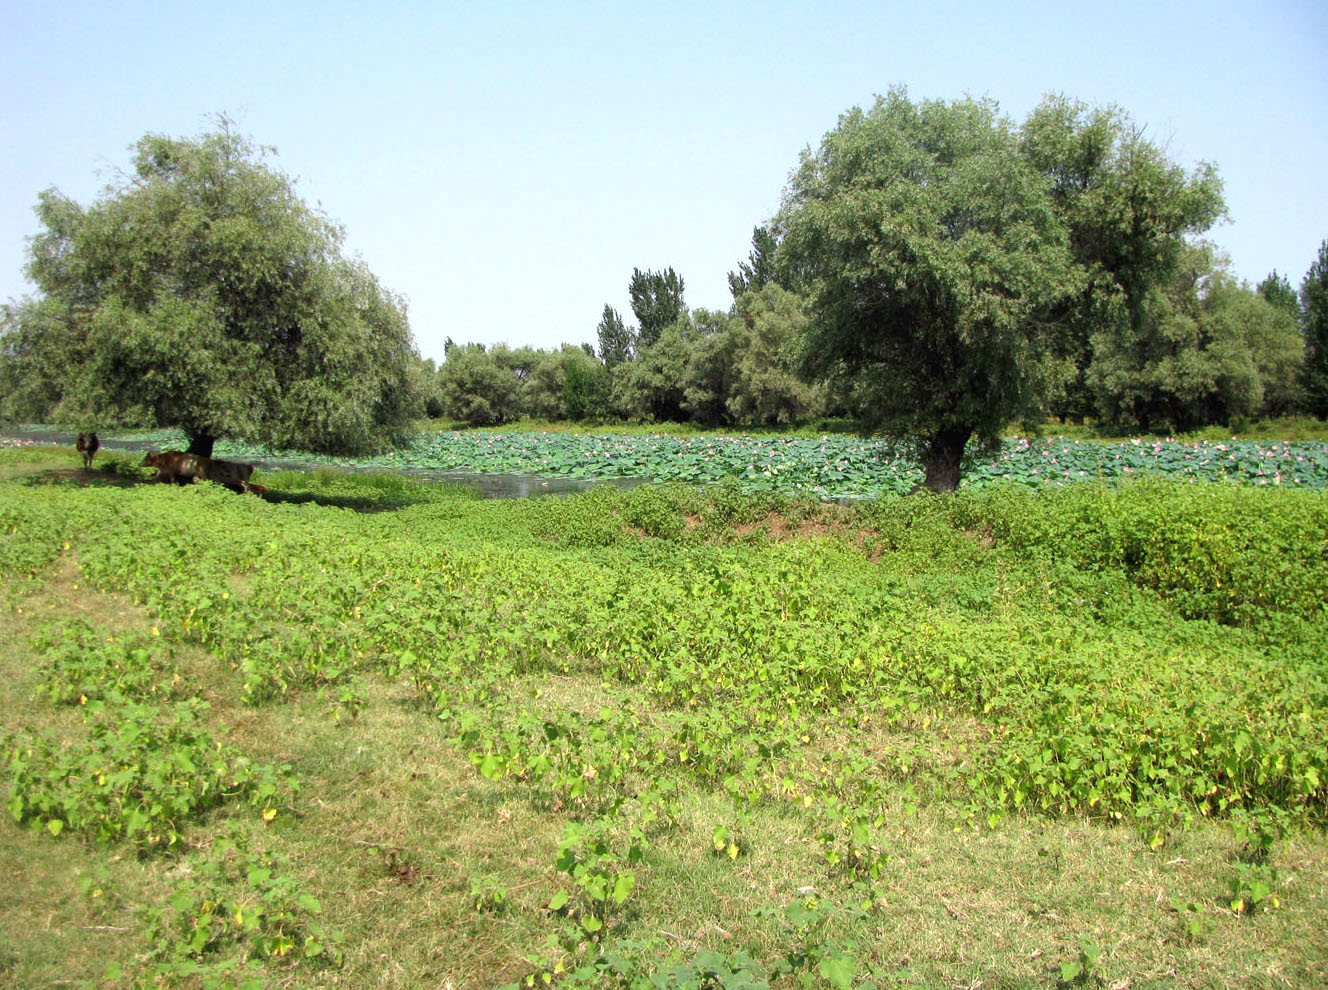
<point>372,732</point>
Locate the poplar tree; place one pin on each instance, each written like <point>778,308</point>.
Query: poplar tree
<point>656,301</point>
<point>1314,303</point>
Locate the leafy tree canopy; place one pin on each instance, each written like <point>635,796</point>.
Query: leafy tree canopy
<point>479,384</point>
<point>1277,290</point>
<point>1127,210</point>
<point>656,301</point>
<point>201,292</point>
<point>934,252</point>
<point>964,273</point>
<point>759,269</point>
<point>617,341</point>
<point>587,387</point>
<point>652,387</point>
<point>1314,302</point>
<point>766,387</point>
<point>1209,351</point>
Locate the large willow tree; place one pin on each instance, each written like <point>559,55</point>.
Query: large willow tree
<point>965,273</point>
<point>201,292</point>
<point>933,252</point>
<point>1132,214</point>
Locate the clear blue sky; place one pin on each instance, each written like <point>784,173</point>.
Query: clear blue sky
<point>505,166</point>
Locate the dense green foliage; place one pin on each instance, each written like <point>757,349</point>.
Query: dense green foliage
<point>1127,210</point>
<point>651,388</point>
<point>709,367</point>
<point>1209,351</point>
<point>760,269</point>
<point>933,255</point>
<point>617,343</point>
<point>1150,655</point>
<point>657,302</point>
<point>201,292</point>
<point>487,386</point>
<point>1314,302</point>
<point>475,387</point>
<point>753,365</point>
<point>1277,290</point>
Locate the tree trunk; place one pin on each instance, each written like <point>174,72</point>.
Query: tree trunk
<point>941,460</point>
<point>200,444</point>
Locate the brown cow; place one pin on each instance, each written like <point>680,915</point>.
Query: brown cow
<point>175,465</point>
<point>178,466</point>
<point>87,445</point>
<point>232,474</point>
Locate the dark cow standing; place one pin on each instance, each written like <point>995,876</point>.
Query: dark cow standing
<point>87,446</point>
<point>182,468</point>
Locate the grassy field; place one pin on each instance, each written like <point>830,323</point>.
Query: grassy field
<point>367,731</point>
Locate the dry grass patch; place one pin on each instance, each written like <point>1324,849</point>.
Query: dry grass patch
<point>394,830</point>
<point>64,595</point>
<point>68,909</point>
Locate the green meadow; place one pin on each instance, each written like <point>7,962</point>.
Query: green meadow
<point>365,730</point>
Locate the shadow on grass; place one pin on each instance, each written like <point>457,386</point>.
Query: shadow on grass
<point>78,478</point>
<point>358,503</point>
<point>75,478</point>
<point>367,492</point>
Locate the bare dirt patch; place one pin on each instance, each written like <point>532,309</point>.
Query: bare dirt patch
<point>829,521</point>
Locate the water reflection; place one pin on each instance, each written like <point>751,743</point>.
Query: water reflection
<point>524,485</point>
<point>488,485</point>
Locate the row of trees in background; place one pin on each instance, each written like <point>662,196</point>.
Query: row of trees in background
<point>934,271</point>
<point>1206,349</point>
<point>1225,353</point>
<point>710,367</point>
<point>1217,351</point>
<point>939,272</point>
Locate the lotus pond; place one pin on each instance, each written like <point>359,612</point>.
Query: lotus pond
<point>831,467</point>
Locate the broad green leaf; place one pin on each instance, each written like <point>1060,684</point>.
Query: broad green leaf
<point>622,886</point>
<point>838,970</point>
